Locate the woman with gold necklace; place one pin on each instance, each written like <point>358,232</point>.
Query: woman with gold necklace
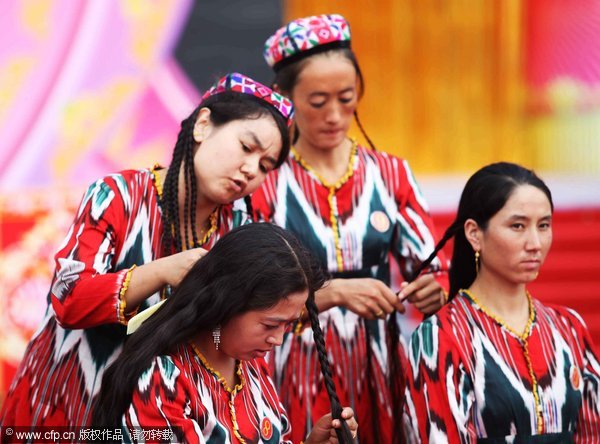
<point>495,364</point>
<point>136,234</point>
<point>355,208</point>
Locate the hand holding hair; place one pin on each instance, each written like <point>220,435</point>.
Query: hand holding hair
<point>152,276</point>
<point>367,297</point>
<point>424,293</point>
<point>324,429</point>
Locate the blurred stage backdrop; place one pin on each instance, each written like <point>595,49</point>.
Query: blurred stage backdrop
<point>94,86</point>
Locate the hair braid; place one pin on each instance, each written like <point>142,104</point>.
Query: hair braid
<point>450,232</point>
<point>189,213</point>
<point>169,201</point>
<point>364,133</point>
<point>372,386</point>
<point>343,433</point>
<point>249,209</point>
<point>193,201</point>
<point>395,371</point>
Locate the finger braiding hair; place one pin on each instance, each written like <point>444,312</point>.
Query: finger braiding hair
<point>343,434</point>
<point>183,153</point>
<point>364,132</point>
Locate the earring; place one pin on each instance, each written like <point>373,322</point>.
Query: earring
<point>217,336</point>
<point>477,262</point>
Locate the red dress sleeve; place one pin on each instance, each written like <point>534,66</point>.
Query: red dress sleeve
<point>86,286</point>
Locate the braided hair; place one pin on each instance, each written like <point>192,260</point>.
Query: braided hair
<point>485,193</point>
<point>225,107</point>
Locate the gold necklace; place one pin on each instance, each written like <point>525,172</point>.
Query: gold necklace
<point>523,339</point>
<point>232,393</point>
<point>332,189</point>
<point>156,178</point>
<point>213,226</point>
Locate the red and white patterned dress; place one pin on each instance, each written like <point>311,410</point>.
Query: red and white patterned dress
<point>180,391</point>
<point>374,212</point>
<point>470,378</point>
<point>118,225</point>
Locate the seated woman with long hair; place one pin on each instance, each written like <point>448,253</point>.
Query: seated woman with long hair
<point>495,364</point>
<point>196,365</point>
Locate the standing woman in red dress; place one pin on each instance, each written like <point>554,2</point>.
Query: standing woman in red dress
<point>135,235</point>
<point>353,207</point>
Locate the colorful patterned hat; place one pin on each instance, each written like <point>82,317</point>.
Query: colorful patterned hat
<point>240,83</point>
<point>306,36</point>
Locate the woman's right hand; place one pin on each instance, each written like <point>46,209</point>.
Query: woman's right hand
<point>151,277</point>
<point>176,266</point>
<point>367,297</point>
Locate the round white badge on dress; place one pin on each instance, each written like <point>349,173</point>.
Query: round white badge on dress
<point>380,221</point>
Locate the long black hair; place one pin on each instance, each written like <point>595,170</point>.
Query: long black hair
<point>485,193</point>
<point>252,267</point>
<point>224,107</point>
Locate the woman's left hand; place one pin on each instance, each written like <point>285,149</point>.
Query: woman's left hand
<point>324,429</point>
<point>425,293</point>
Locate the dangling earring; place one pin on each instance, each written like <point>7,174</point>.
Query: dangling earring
<point>477,262</point>
<point>217,336</point>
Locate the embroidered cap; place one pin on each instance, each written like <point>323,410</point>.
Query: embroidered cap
<point>240,83</point>
<point>305,36</point>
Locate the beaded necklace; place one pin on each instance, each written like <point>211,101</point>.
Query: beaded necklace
<point>213,226</point>
<point>232,392</point>
<point>330,198</point>
<point>523,340</point>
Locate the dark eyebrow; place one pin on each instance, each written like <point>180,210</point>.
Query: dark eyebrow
<point>321,93</point>
<point>522,217</point>
<point>277,319</point>
<point>260,146</point>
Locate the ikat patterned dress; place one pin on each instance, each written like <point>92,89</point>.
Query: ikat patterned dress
<point>118,225</point>
<point>181,392</point>
<point>471,379</point>
<point>376,210</point>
